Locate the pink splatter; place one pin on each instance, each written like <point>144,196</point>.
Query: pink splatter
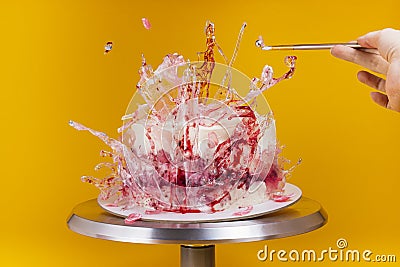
<point>146,23</point>
<point>281,198</point>
<point>152,212</point>
<point>111,205</point>
<point>133,217</point>
<point>212,140</point>
<point>140,175</point>
<point>243,211</point>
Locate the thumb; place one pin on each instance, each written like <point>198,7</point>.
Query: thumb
<point>387,41</point>
<point>369,40</point>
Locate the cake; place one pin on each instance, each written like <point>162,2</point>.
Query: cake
<point>193,143</point>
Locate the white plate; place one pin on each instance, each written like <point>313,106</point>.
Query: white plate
<point>268,206</point>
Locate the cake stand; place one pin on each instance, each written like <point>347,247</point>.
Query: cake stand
<point>197,240</point>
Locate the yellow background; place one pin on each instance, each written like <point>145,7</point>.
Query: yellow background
<point>53,70</point>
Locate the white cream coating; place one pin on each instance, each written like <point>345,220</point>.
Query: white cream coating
<point>163,139</point>
<point>163,136</point>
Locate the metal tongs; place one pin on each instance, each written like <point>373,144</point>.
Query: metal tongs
<point>354,45</point>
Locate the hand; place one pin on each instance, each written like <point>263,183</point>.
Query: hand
<point>386,61</point>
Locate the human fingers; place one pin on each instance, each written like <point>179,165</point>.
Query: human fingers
<point>369,40</point>
<point>372,80</point>
<point>371,61</point>
<point>387,41</point>
<point>393,85</point>
<point>380,99</point>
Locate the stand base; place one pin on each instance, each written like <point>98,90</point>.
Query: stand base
<point>305,216</point>
<point>197,255</point>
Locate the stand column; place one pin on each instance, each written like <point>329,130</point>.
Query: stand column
<point>197,255</point>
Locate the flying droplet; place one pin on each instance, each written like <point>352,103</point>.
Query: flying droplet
<point>108,47</point>
<point>290,61</point>
<point>260,42</point>
<point>146,23</point>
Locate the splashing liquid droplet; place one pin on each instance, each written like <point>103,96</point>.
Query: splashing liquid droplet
<point>260,42</point>
<point>290,61</point>
<point>108,47</point>
<point>243,211</point>
<point>104,154</point>
<point>132,218</point>
<point>146,23</point>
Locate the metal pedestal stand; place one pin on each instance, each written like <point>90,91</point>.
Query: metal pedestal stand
<point>199,239</point>
<point>198,255</point>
